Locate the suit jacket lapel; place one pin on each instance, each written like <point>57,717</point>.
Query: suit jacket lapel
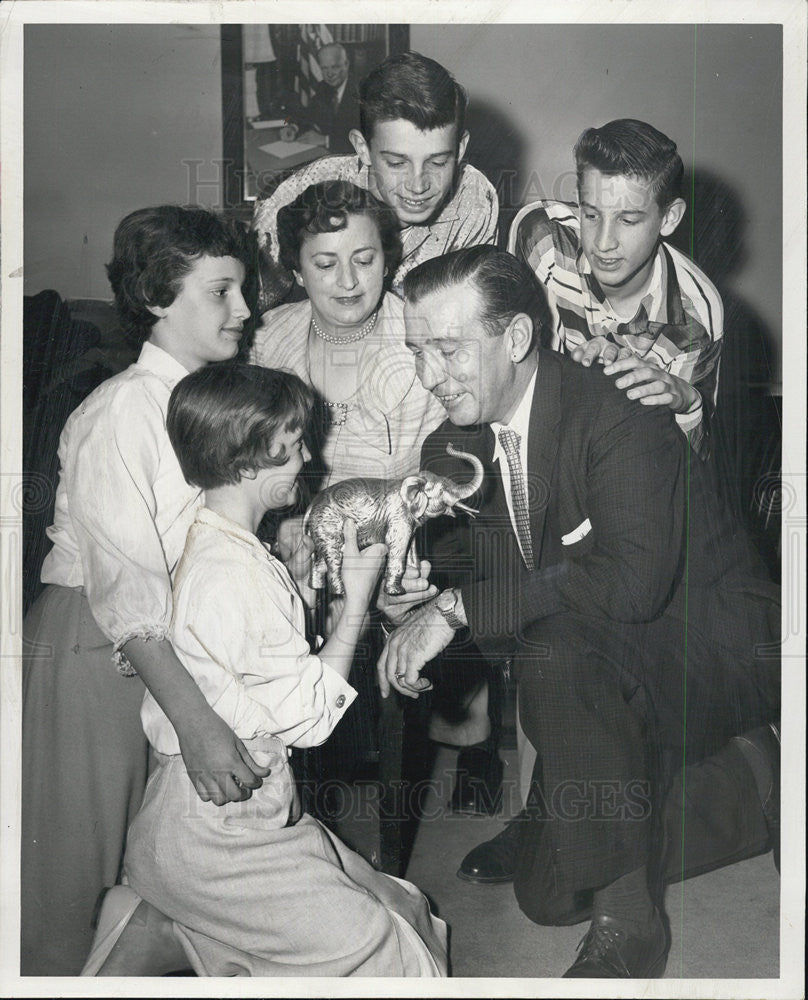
<point>542,445</point>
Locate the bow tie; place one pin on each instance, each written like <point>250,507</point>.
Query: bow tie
<point>641,333</point>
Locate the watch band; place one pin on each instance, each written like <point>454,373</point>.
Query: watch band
<point>449,614</point>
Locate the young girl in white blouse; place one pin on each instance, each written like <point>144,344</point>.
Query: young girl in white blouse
<point>255,888</point>
<point>123,509</point>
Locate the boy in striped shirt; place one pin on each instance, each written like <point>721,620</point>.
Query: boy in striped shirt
<point>617,291</point>
<point>409,152</point>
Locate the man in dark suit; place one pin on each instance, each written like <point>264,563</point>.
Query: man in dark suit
<point>641,627</point>
<point>334,107</point>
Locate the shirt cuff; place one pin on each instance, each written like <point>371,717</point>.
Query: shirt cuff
<point>339,695</point>
<point>692,417</point>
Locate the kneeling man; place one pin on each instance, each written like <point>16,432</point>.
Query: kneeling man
<point>635,614</point>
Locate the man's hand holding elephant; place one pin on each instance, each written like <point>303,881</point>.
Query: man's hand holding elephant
<point>417,589</point>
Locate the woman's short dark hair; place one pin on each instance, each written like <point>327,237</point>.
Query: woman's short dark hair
<point>223,419</point>
<point>326,208</point>
<point>635,149</point>
<point>415,88</point>
<point>507,286</point>
<point>153,251</point>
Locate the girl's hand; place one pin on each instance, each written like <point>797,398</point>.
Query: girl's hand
<point>217,762</point>
<point>360,570</point>
<point>295,550</point>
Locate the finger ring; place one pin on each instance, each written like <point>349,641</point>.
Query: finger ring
<point>400,676</point>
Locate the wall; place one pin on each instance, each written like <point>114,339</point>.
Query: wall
<point>715,89</point>
<point>112,115</point>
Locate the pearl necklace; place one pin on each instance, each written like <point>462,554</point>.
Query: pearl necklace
<point>360,335</point>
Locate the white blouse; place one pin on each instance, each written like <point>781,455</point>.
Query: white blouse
<point>238,628</point>
<point>123,507</point>
<point>386,421</point>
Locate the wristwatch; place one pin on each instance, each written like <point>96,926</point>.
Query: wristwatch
<point>446,603</point>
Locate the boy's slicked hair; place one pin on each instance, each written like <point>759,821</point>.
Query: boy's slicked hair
<point>415,88</point>
<point>636,149</point>
<point>153,251</point>
<point>506,286</point>
<point>223,419</point>
<point>326,208</point>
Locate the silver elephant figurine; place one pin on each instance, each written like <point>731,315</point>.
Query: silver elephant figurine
<point>383,512</point>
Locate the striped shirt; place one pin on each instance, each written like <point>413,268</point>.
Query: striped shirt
<point>679,322</point>
<point>468,218</point>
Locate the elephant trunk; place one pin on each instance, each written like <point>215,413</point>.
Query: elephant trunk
<point>464,492</point>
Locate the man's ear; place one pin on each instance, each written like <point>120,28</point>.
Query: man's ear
<point>519,337</point>
<point>361,146</point>
<point>672,217</point>
<point>461,146</point>
<point>158,311</point>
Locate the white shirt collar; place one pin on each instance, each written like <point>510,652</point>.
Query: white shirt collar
<point>520,421</point>
<point>215,520</point>
<point>161,363</point>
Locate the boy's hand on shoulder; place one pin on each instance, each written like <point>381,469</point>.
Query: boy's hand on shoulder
<point>598,349</point>
<point>653,386</point>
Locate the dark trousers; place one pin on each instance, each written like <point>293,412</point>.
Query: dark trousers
<point>632,725</point>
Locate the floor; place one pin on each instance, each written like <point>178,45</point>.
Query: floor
<point>723,925</point>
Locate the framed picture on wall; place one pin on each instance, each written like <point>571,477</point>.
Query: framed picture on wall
<point>289,96</point>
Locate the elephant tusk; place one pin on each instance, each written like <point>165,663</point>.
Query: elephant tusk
<point>466,510</point>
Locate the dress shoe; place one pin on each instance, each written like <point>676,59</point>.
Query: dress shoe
<point>610,951</point>
<point>763,745</point>
<point>478,782</point>
<point>495,860</point>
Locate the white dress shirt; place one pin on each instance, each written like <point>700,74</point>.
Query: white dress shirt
<point>239,631</point>
<point>123,506</point>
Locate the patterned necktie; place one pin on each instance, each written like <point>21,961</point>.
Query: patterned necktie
<point>510,441</point>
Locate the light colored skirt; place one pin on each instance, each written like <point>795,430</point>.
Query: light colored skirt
<point>84,769</point>
<point>255,893</point>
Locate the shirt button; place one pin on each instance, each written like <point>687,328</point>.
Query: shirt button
<point>340,701</point>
